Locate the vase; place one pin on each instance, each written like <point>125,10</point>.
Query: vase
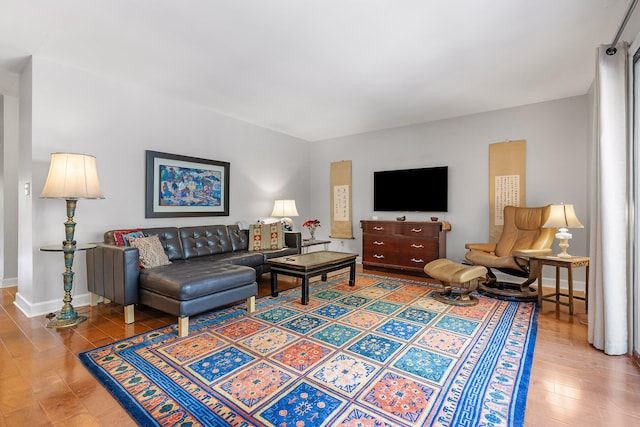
<point>312,232</point>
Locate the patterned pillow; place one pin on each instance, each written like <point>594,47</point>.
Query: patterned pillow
<point>150,251</point>
<point>266,236</point>
<point>122,236</point>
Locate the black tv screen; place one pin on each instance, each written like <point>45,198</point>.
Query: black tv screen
<point>411,190</point>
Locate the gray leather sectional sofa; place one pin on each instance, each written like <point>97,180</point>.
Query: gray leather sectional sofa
<point>211,266</point>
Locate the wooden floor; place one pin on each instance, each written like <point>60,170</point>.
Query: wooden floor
<point>43,383</point>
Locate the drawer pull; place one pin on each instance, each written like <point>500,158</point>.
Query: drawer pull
<point>417,260</point>
<point>378,228</point>
<point>378,256</point>
<point>416,230</point>
<point>413,245</point>
<point>378,243</point>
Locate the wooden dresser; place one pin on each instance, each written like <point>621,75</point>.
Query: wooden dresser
<point>402,245</point>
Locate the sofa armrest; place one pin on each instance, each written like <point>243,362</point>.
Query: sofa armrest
<point>293,239</point>
<point>112,272</point>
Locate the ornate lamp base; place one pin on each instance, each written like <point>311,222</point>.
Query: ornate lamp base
<point>68,316</point>
<point>563,235</point>
<point>65,323</point>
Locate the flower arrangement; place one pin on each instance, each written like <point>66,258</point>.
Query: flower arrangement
<point>311,224</point>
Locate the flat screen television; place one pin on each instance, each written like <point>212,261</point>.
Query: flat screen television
<point>411,190</point>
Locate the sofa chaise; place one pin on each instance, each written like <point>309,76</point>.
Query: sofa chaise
<point>210,266</point>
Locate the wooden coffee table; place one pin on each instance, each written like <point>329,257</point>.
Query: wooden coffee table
<point>311,264</point>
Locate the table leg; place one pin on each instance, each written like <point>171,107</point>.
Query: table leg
<point>570,284</point>
<point>586,289</point>
<point>557,287</point>
<point>305,290</point>
<point>352,274</point>
<point>274,284</point>
<point>324,277</point>
<point>538,266</point>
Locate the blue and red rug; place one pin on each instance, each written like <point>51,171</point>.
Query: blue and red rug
<point>382,353</point>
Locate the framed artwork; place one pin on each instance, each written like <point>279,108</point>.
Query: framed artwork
<point>185,186</point>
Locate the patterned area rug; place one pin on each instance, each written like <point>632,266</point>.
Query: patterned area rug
<point>381,353</point>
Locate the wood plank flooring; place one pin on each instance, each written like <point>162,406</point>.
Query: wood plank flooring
<point>42,382</point>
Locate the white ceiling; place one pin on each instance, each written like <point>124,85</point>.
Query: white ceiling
<point>325,68</point>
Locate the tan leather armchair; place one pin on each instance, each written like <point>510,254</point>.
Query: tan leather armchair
<point>522,232</point>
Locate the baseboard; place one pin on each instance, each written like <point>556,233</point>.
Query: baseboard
<point>46,307</point>
<point>578,285</point>
<point>549,282</point>
<point>636,357</point>
<point>9,282</point>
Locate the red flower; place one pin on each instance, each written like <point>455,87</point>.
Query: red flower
<point>311,223</point>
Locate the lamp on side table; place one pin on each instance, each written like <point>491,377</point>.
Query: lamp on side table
<point>71,177</point>
<point>563,217</point>
<point>285,209</point>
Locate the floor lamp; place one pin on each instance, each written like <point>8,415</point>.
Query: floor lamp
<point>71,177</point>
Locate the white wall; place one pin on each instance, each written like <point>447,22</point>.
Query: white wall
<point>2,195</point>
<point>556,135</point>
<point>26,248</point>
<point>79,112</point>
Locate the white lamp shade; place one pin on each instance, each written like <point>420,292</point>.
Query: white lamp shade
<point>72,176</point>
<point>284,208</point>
<point>562,216</point>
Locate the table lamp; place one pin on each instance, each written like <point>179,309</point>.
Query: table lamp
<point>285,209</point>
<point>71,177</point>
<point>562,217</point>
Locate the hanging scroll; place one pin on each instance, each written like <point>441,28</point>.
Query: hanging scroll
<point>507,179</point>
<point>341,227</point>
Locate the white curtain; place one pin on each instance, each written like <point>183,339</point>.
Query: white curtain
<point>608,279</point>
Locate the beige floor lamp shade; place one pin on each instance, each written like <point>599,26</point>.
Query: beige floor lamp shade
<point>72,176</point>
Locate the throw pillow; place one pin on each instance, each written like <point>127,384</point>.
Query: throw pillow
<point>150,251</point>
<point>266,236</point>
<point>121,236</point>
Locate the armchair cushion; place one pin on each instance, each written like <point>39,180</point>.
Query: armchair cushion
<point>488,259</point>
<point>523,230</point>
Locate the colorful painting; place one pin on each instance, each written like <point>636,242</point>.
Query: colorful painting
<point>189,187</point>
<point>186,186</point>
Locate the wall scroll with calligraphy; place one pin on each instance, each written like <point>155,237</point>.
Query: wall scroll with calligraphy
<point>507,179</point>
<point>341,224</point>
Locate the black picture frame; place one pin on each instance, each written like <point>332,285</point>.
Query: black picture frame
<point>180,186</point>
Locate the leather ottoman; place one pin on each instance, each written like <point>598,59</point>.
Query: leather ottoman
<point>189,287</point>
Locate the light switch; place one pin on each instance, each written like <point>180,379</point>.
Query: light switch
<point>27,188</point>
